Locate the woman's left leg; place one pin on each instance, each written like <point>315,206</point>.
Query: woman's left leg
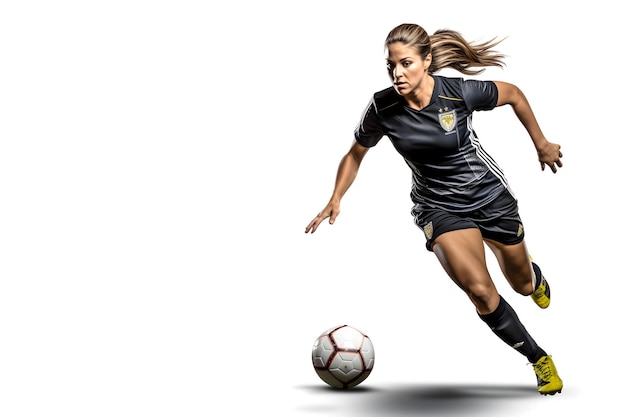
<point>520,271</point>
<point>523,275</point>
<point>515,264</point>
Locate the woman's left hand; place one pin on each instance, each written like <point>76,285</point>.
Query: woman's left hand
<point>550,155</point>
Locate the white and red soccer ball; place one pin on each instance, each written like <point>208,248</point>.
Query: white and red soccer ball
<point>343,356</point>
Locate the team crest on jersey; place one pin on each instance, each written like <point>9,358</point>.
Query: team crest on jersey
<point>447,120</point>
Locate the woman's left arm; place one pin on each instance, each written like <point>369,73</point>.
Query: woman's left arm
<point>548,153</point>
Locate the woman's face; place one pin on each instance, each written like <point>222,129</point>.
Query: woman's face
<point>406,68</point>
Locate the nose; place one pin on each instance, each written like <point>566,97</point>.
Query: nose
<point>397,72</point>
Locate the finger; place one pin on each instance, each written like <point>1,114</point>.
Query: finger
<point>310,226</point>
<point>315,223</point>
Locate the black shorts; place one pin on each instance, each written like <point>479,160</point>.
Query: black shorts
<point>498,220</point>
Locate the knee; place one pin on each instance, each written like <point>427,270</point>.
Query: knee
<point>520,276</point>
<point>485,297</point>
<point>523,287</point>
<point>525,291</point>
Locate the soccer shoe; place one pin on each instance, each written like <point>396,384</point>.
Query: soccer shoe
<point>548,380</point>
<point>541,296</point>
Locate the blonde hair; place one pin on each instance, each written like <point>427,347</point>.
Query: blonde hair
<point>448,48</point>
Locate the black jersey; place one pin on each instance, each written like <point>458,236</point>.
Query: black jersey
<point>450,168</point>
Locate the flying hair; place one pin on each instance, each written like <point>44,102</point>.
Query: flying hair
<point>448,48</point>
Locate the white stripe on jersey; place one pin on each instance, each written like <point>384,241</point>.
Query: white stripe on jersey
<point>483,155</point>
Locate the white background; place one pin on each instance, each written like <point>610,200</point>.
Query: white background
<point>160,160</point>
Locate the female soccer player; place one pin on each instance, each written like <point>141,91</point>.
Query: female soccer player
<point>461,197</point>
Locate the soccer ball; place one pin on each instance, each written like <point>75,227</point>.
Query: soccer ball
<point>343,356</point>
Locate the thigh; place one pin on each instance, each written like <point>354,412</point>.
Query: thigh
<point>462,255</point>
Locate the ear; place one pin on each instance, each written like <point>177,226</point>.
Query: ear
<point>427,61</point>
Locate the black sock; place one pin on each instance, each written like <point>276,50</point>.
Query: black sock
<point>537,275</point>
<point>507,326</point>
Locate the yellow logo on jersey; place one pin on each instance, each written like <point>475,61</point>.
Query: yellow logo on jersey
<point>447,120</point>
<point>520,229</point>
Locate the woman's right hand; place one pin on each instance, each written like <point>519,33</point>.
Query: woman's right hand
<point>346,173</point>
<point>331,211</point>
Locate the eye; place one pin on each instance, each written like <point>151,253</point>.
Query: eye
<point>406,63</point>
<point>389,66</point>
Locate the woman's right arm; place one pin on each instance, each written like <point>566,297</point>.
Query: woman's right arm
<point>346,174</point>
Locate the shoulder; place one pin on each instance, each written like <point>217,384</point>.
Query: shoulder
<point>460,83</point>
<point>453,81</point>
<point>451,86</point>
<point>386,99</point>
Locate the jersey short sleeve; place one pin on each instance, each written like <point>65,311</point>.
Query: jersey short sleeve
<point>369,131</point>
<point>479,95</point>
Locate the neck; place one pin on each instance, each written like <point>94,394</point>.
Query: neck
<point>420,97</point>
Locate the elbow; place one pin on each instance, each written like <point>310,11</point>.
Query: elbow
<point>510,94</point>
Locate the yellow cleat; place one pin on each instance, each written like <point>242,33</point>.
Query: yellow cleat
<point>548,380</point>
